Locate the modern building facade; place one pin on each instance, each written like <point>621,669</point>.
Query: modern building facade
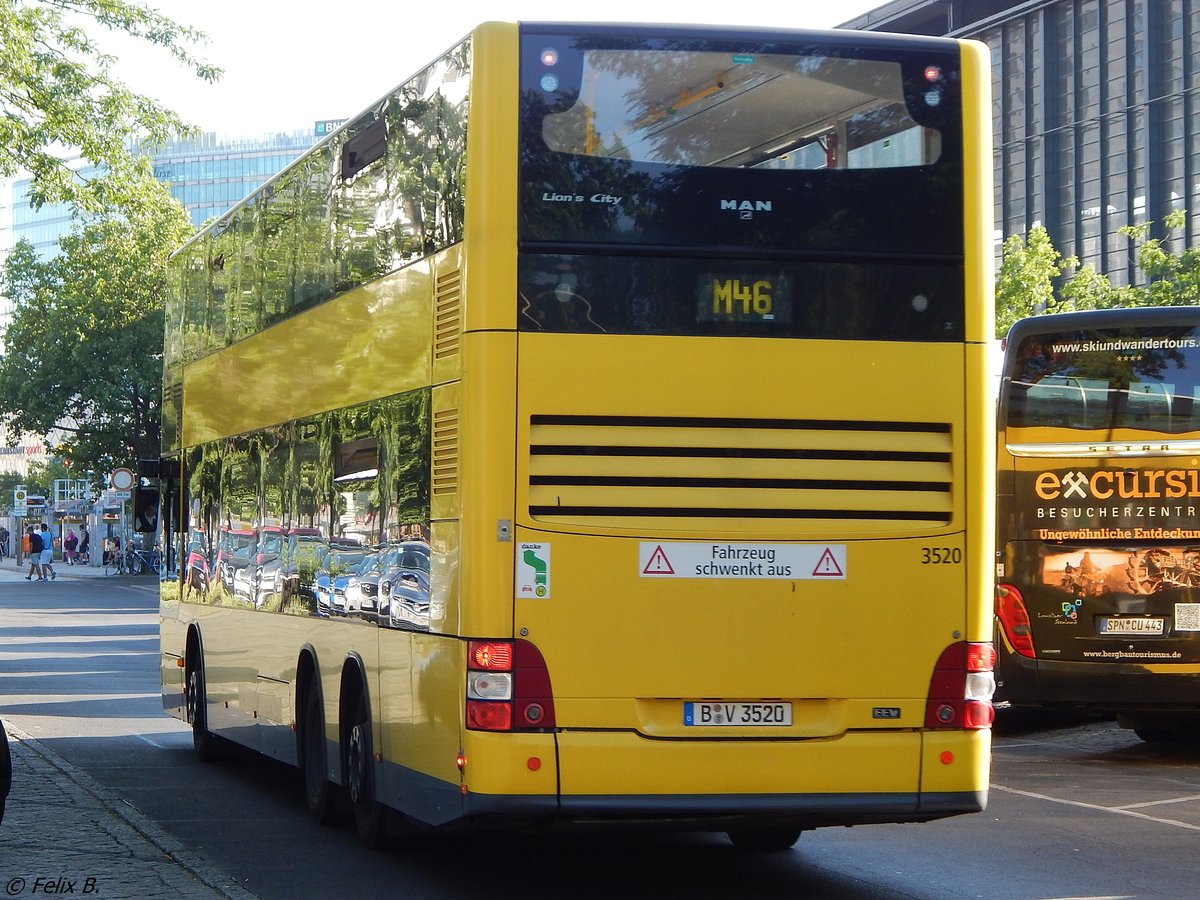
<point>208,175</point>
<point>1095,108</point>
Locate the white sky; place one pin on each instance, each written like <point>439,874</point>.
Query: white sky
<point>289,64</point>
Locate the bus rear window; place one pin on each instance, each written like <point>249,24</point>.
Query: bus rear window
<point>816,144</point>
<point>732,110</point>
<point>1107,379</point>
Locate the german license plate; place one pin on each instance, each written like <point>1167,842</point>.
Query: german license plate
<point>715,713</point>
<point>1134,625</point>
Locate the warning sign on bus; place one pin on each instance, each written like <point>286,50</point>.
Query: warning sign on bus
<point>724,560</point>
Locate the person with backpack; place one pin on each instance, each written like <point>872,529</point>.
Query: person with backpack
<point>35,555</point>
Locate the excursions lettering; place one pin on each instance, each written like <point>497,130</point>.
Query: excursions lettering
<point>1128,484</point>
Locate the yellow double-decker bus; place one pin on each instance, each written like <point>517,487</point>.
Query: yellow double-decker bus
<point>543,446</point>
<point>1098,540</point>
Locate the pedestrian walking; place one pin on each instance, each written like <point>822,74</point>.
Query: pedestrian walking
<point>85,546</point>
<point>47,553</point>
<point>31,544</point>
<point>70,542</point>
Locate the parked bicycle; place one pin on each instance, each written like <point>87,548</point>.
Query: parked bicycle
<point>132,561</point>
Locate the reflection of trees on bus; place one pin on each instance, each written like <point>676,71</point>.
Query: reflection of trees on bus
<point>320,229</point>
<point>279,499</point>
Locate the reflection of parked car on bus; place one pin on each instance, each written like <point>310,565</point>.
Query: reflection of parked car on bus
<point>233,554</point>
<point>330,580</point>
<point>372,585</point>
<point>408,601</point>
<point>195,564</point>
<point>276,562</point>
<point>407,576</point>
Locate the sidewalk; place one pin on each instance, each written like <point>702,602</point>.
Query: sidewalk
<point>10,572</point>
<point>65,833</point>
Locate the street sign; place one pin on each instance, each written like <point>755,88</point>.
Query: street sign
<point>121,480</point>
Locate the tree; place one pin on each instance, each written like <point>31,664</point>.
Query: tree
<point>57,91</point>
<point>1174,279</point>
<point>84,350</point>
<point>1025,284</point>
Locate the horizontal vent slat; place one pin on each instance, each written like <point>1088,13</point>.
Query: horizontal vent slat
<point>678,472</point>
<point>740,483</point>
<point>738,453</point>
<point>687,512</point>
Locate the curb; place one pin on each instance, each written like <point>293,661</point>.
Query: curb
<point>70,833</point>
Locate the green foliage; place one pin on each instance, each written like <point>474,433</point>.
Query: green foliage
<point>57,91</point>
<point>84,350</point>
<point>1025,284</point>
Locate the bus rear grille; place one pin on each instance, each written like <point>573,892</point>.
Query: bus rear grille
<point>770,473</point>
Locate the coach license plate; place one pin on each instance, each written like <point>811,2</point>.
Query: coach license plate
<point>1134,625</point>
<point>711,713</point>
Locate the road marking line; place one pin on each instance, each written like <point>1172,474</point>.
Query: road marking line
<point>1158,802</point>
<point>1116,810</point>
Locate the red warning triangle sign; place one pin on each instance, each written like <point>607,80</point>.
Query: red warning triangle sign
<point>658,564</point>
<point>827,565</point>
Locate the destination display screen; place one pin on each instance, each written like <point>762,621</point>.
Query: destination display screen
<point>743,297</point>
<point>619,294</point>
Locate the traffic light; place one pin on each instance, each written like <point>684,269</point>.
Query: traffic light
<point>145,509</point>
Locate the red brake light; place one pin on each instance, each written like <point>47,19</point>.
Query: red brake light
<point>961,687</point>
<point>485,715</point>
<point>531,706</point>
<point>1014,619</point>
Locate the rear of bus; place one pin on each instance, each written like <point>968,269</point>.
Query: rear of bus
<point>753,448</point>
<point>1098,538</point>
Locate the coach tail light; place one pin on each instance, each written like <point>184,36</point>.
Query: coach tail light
<point>508,687</point>
<point>960,691</point>
<point>1014,619</point>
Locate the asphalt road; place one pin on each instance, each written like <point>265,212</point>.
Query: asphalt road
<point>1078,808</point>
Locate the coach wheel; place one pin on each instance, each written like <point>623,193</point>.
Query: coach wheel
<point>369,814</point>
<point>203,741</point>
<point>771,840</point>
<point>317,789</point>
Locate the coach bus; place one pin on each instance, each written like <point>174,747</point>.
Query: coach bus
<point>583,352</point>
<point>1098,540</point>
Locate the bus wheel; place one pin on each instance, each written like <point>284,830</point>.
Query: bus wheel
<point>317,790</point>
<point>369,814</point>
<point>769,840</point>
<point>203,741</point>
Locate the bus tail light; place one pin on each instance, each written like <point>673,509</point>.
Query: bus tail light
<point>960,691</point>
<point>1014,619</point>
<point>508,687</point>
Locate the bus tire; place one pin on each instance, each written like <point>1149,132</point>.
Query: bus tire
<point>204,742</point>
<point>318,792</point>
<point>764,840</point>
<point>369,814</point>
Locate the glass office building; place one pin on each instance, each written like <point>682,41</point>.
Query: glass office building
<point>1095,108</point>
<point>208,175</point>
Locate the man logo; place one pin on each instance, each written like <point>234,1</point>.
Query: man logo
<point>747,208</point>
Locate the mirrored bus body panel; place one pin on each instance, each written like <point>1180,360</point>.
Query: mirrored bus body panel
<point>1098,533</point>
